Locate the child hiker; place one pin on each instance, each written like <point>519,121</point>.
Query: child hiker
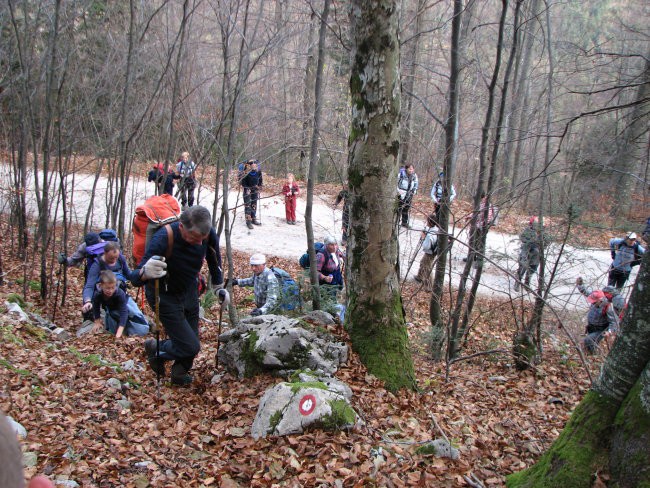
<point>113,300</point>
<point>291,191</point>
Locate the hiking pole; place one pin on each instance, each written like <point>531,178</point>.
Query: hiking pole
<point>224,299</point>
<point>56,296</point>
<point>157,313</point>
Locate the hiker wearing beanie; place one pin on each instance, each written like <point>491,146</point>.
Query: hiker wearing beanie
<point>602,321</point>
<point>265,285</point>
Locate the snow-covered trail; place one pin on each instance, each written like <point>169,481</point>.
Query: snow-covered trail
<point>276,237</point>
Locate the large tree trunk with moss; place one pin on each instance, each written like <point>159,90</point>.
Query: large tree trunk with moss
<point>376,317</point>
<point>610,429</point>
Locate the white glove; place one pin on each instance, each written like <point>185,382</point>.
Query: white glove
<point>154,268</point>
<point>87,307</point>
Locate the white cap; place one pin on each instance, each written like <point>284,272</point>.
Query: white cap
<point>631,235</point>
<point>258,258</point>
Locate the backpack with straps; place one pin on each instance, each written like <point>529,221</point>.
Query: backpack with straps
<point>153,214</point>
<point>121,279</point>
<point>289,290</point>
<point>304,259</point>
<point>93,254</point>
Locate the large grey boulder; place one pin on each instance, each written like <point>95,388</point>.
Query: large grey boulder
<point>291,408</point>
<point>273,343</point>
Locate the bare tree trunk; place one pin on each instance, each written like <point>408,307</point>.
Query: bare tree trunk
<point>308,96</point>
<point>478,237</point>
<point>313,157</point>
<point>376,316</point>
<point>409,81</point>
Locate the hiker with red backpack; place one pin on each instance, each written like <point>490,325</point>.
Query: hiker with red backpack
<point>602,321</point>
<point>173,258</point>
<point>612,295</point>
<point>265,286</point>
<point>113,260</point>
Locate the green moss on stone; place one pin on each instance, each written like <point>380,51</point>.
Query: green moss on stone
<point>297,357</point>
<point>342,415</point>
<point>274,421</point>
<point>253,357</point>
<point>16,298</point>
<point>297,386</point>
<point>427,449</point>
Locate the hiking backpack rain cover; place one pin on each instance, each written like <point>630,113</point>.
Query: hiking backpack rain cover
<point>153,214</point>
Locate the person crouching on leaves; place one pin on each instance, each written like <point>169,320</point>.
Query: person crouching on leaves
<point>265,285</point>
<point>291,190</point>
<point>602,321</point>
<point>113,299</point>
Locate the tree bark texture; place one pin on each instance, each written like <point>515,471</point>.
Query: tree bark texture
<point>376,316</point>
<point>610,428</point>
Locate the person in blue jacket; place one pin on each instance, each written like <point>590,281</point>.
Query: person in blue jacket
<point>626,253</point>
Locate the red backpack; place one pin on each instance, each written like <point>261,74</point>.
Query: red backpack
<point>153,214</point>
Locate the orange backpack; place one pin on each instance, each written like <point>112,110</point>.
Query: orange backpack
<point>153,214</point>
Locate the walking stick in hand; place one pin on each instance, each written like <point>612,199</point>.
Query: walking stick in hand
<point>224,299</point>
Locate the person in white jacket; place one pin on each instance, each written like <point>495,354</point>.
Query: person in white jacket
<point>407,187</point>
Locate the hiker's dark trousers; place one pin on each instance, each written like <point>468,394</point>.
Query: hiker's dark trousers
<point>617,278</point>
<point>179,315</point>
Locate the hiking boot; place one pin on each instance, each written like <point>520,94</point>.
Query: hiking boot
<point>257,222</point>
<point>249,224</point>
<point>156,363</point>
<point>179,375</point>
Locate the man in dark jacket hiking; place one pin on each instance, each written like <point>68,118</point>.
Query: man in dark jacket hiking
<point>251,183</point>
<point>175,256</point>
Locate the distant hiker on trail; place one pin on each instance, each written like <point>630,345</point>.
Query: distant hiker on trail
<point>265,286</point>
<point>483,223</point>
<point>251,183</point>
<point>113,300</point>
<point>114,261</point>
<point>157,174</point>
<point>612,295</point>
<point>407,187</point>
<point>626,253</point>
<point>529,253</point>
<point>329,264</point>
<point>429,248</point>
<point>344,196</point>
<point>602,321</point>
<point>437,193</point>
<point>177,251</point>
<point>185,169</point>
<point>291,190</point>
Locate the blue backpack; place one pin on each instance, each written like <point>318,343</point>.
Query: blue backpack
<point>304,259</point>
<point>289,291</point>
<point>92,254</point>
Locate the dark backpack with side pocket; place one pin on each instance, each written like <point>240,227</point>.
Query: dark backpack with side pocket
<point>289,290</point>
<point>304,259</point>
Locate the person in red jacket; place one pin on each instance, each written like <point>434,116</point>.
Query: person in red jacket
<point>291,190</point>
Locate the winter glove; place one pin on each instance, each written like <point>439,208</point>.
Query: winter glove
<point>62,258</point>
<point>255,312</point>
<point>224,297</point>
<point>154,268</point>
<point>87,307</point>
<point>579,281</point>
<point>235,282</point>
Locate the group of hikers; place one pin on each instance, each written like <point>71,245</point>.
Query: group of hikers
<point>184,170</point>
<point>170,268</point>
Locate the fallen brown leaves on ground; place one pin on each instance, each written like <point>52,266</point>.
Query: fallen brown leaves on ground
<point>501,419</point>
